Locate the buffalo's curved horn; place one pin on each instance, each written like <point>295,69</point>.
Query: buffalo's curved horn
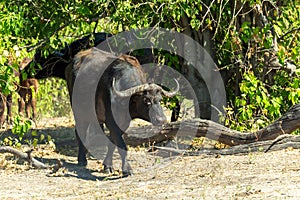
<point>172,93</point>
<point>130,91</point>
<point>143,87</point>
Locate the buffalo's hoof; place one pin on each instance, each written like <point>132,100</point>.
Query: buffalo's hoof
<point>126,170</point>
<point>82,163</point>
<point>108,169</point>
<point>126,173</point>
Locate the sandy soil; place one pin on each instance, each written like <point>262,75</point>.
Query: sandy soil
<point>272,175</point>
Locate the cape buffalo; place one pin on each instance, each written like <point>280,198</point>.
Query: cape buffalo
<point>54,65</point>
<point>122,81</point>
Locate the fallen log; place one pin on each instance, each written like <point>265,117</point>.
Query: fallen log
<point>286,124</point>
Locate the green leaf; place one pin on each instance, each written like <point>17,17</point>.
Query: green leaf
<point>34,133</point>
<point>35,142</point>
<point>42,137</point>
<point>277,29</point>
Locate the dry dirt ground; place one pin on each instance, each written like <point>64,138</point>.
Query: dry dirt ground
<point>258,175</point>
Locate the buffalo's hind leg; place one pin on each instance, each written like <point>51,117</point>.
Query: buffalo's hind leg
<point>82,151</point>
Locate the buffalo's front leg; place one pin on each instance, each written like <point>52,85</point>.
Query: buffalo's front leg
<point>126,169</point>
<point>122,149</point>
<point>117,139</point>
<point>108,163</point>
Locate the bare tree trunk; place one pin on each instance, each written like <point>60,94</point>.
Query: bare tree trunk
<point>202,103</point>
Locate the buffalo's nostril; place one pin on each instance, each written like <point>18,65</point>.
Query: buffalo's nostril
<point>159,121</point>
<point>164,121</point>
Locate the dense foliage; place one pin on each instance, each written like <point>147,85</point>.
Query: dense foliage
<point>247,35</point>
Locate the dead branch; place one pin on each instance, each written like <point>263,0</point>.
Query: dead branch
<point>287,142</point>
<point>279,138</point>
<point>286,124</point>
<point>27,156</point>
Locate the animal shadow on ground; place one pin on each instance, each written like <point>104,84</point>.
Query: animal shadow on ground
<point>92,172</point>
<point>66,152</point>
<point>71,169</point>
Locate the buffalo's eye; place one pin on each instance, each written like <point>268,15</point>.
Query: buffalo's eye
<point>147,102</point>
